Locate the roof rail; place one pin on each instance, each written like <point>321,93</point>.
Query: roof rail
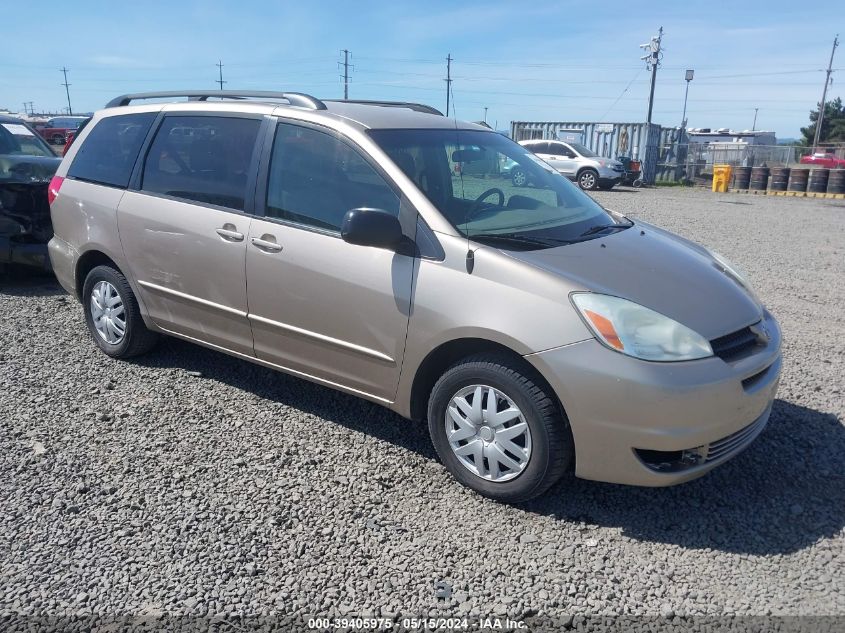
<point>416,107</point>
<point>294,98</point>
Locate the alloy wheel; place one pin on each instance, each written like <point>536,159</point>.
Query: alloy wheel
<point>488,433</point>
<point>587,180</point>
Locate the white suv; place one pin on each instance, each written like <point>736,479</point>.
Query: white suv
<point>578,163</point>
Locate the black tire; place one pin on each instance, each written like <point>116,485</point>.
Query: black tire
<point>588,179</point>
<point>519,177</point>
<point>552,445</point>
<point>137,339</point>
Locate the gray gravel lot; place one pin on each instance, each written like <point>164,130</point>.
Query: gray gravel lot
<point>187,481</point>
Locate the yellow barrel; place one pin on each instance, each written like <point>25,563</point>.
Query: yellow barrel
<point>721,177</point>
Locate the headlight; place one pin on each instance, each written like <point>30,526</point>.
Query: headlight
<point>734,272</point>
<point>634,330</point>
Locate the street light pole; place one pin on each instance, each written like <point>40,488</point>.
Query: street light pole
<point>688,77</point>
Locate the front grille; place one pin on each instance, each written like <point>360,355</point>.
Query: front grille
<point>749,382</point>
<point>735,344</point>
<point>679,461</point>
<point>735,441</point>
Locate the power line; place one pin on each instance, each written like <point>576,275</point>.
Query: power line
<point>820,119</point>
<point>67,89</point>
<point>220,81</point>
<point>621,94</point>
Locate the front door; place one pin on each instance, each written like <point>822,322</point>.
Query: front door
<point>184,232</point>
<point>319,306</point>
<point>564,159</point>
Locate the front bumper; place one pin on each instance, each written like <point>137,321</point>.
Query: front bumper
<point>610,182</point>
<point>623,411</point>
<point>24,252</point>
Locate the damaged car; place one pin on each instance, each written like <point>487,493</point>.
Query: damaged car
<point>27,163</point>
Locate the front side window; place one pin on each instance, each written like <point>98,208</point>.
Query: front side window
<point>202,158</point>
<point>493,190</point>
<point>108,153</point>
<point>315,178</point>
<point>586,152</point>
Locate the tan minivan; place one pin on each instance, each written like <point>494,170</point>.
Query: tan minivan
<point>376,248</point>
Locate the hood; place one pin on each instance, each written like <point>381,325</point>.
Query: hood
<point>27,169</point>
<point>658,270</point>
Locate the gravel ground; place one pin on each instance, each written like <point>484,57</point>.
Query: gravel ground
<point>189,482</point>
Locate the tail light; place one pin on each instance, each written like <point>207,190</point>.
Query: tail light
<point>53,188</point>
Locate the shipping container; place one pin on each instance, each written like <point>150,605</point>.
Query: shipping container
<point>640,141</point>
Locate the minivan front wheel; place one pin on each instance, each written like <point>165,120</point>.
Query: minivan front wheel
<point>496,429</point>
<point>112,314</point>
<point>588,179</point>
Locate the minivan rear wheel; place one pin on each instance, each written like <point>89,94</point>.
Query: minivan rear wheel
<point>112,314</point>
<point>496,429</point>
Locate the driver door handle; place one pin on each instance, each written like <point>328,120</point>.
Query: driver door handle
<point>266,245</point>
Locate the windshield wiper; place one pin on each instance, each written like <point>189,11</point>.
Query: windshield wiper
<point>521,239</point>
<point>604,227</point>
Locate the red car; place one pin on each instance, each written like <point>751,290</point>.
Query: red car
<point>55,130</point>
<point>72,134</point>
<point>822,159</point>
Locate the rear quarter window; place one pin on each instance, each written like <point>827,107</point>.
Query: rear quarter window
<point>108,153</point>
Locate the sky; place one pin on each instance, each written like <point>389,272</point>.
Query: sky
<point>523,60</point>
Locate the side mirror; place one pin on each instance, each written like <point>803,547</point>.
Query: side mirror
<point>372,227</point>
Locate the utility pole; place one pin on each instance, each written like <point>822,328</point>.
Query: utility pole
<point>448,80</point>
<point>345,74</point>
<point>219,65</point>
<point>820,120</point>
<point>688,76</point>
<point>652,61</point>
<point>67,89</point>
<point>754,125</point>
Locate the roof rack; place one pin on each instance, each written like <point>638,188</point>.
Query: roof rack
<point>294,98</point>
<point>416,107</point>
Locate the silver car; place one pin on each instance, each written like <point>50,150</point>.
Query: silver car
<point>579,163</point>
<point>366,247</point>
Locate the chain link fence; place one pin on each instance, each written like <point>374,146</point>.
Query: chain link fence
<point>693,162</point>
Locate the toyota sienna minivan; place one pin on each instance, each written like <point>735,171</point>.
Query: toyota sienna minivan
<point>374,247</point>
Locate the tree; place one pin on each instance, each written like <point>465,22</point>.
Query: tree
<point>833,126</point>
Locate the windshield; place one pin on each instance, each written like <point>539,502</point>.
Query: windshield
<point>586,152</point>
<point>493,190</point>
<point>16,139</point>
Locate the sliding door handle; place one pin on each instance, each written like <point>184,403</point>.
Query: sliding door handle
<point>230,235</point>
